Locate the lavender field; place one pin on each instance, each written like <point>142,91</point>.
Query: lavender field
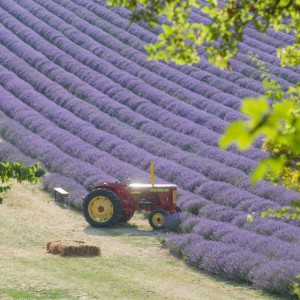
<point>78,95</point>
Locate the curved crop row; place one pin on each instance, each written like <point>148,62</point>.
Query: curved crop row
<point>112,91</point>
<point>50,156</point>
<point>107,164</point>
<point>83,21</point>
<point>94,104</point>
<point>68,52</point>
<point>287,74</point>
<point>76,148</point>
<point>235,263</point>
<point>229,234</point>
<point>110,55</point>
<point>203,208</point>
<point>206,167</point>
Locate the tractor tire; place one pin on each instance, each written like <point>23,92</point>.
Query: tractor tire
<point>127,216</point>
<point>102,208</point>
<point>157,218</point>
<point>178,209</point>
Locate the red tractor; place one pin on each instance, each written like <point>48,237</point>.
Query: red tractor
<point>110,203</point>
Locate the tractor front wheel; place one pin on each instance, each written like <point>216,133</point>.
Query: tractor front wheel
<point>157,218</point>
<point>102,208</point>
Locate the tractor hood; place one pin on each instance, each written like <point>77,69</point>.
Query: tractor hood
<point>148,185</point>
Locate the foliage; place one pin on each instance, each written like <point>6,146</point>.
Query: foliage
<point>15,170</point>
<point>278,121</point>
<point>182,37</point>
<point>297,288</point>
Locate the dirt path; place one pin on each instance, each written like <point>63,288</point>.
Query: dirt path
<point>133,265</point>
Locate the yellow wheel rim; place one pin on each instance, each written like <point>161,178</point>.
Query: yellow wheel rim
<point>158,219</point>
<point>100,209</point>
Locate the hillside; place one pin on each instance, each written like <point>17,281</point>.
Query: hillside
<point>78,95</point>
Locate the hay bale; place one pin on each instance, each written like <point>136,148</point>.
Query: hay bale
<point>72,248</point>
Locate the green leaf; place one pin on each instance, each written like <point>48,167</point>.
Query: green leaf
<point>255,108</point>
<point>272,164</point>
<point>236,133</point>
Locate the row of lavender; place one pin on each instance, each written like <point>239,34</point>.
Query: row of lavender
<point>113,145</point>
<point>9,44</point>
<point>253,42</point>
<point>119,79</point>
<point>94,147</point>
<point>156,76</point>
<point>104,162</point>
<point>94,33</point>
<point>234,255</point>
<point>67,17</point>
<point>203,208</point>
<point>209,168</point>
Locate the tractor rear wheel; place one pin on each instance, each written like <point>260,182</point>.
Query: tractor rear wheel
<point>157,218</point>
<point>102,208</point>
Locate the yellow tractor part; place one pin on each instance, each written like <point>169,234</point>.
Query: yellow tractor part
<point>100,209</point>
<point>158,219</point>
<point>152,172</point>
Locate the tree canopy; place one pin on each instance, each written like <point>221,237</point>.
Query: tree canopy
<point>181,36</point>
<point>15,170</point>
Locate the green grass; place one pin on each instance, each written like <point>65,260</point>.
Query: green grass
<point>35,294</point>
